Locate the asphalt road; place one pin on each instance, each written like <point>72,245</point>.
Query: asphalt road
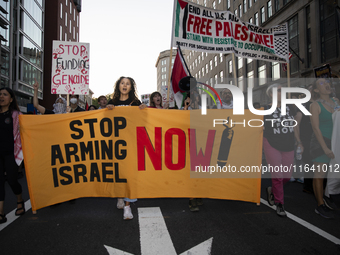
<point>231,227</point>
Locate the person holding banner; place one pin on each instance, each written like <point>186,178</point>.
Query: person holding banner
<point>11,154</point>
<point>322,123</point>
<point>278,145</point>
<point>102,101</point>
<point>156,101</point>
<point>125,94</point>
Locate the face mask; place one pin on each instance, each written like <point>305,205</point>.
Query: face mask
<point>59,108</point>
<point>73,100</point>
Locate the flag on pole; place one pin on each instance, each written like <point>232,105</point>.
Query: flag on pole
<point>284,65</point>
<point>178,72</point>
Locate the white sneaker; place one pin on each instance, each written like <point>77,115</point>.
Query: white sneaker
<point>127,213</point>
<point>120,203</point>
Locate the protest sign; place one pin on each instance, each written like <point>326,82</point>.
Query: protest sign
<point>70,68</point>
<point>199,28</point>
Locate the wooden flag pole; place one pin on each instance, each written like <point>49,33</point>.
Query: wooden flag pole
<point>169,78</point>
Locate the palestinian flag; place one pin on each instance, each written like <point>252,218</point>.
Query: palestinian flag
<point>178,72</point>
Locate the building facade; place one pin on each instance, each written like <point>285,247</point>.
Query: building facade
<point>163,65</point>
<point>22,46</point>
<point>313,40</point>
<point>63,21</point>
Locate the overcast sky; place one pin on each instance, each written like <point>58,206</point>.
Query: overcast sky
<point>125,39</point>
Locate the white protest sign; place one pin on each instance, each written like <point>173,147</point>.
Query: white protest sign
<point>70,68</point>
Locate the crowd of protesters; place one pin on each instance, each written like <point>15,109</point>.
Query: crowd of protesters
<point>311,138</point>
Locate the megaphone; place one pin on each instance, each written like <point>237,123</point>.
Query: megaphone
<point>186,83</point>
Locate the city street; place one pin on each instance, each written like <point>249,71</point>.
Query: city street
<point>166,226</point>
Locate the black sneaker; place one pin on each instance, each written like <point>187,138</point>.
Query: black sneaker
<point>270,196</point>
<point>280,210</point>
<point>329,203</point>
<point>193,205</point>
<point>324,211</point>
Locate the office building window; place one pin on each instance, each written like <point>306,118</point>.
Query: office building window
<point>249,60</point>
<point>199,59</point>
<point>275,71</point>
<point>216,81</point>
<point>214,5</point>
<point>202,71</point>
<point>235,12</point>
<point>202,55</point>
<point>205,3</point>
<point>65,18</point>
<point>239,63</point>
<point>308,37</point>
<point>293,31</point>
<point>228,4</point>
<point>250,3</point>
<point>329,36</point>
<point>240,10</point>
<point>221,57</point>
<point>206,68</point>
<point>256,18</point>
<point>221,76</point>
<point>230,64</point>
<point>250,76</point>
<point>251,21</point>
<point>61,33</point>
<point>277,5</point>
<point>240,82</point>
<point>61,10</point>
<point>263,15</point>
<point>199,74</point>
<point>245,6</point>
<point>211,65</point>
<point>215,60</point>
<point>269,9</point>
<point>262,74</point>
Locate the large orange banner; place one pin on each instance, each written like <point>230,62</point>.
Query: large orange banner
<point>149,153</point>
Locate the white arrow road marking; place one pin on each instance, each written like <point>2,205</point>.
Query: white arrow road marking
<point>113,251</point>
<point>154,235</point>
<point>155,238</point>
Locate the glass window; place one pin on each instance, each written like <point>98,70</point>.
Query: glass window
<point>34,10</point>
<point>308,38</point>
<point>4,63</point>
<point>71,8</point>
<point>230,64</point>
<point>29,73</point>
<point>70,26</point>
<point>206,68</point>
<point>221,76</point>
<point>251,21</point>
<point>61,33</point>
<point>211,65</point>
<point>221,57</point>
<point>228,4</point>
<point>235,12</point>
<point>328,32</point>
<point>277,5</point>
<point>256,18</point>
<point>262,74</point>
<point>199,59</point>
<point>250,3</point>
<point>31,29</point>
<point>30,51</point>
<point>249,60</point>
<point>61,10</point>
<point>214,5</point>
<point>240,83</point>
<point>216,81</point>
<point>202,71</point>
<point>275,71</point>
<point>65,18</point>
<point>240,10</point>
<point>215,60</point>
<point>250,76</point>
<point>263,15</point>
<point>293,31</point>
<point>269,9</point>
<point>245,6</point>
<point>66,2</point>
<point>239,62</point>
